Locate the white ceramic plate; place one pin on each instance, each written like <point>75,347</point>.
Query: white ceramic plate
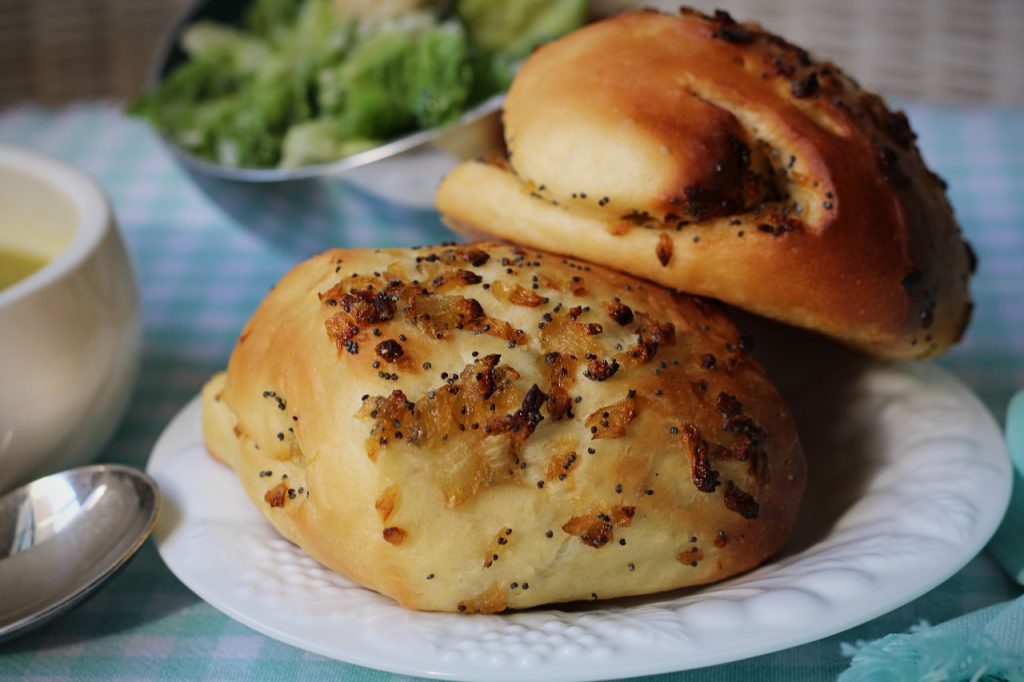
<point>909,478</point>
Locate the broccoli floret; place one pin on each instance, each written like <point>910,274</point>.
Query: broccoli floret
<point>235,50</point>
<point>397,80</point>
<point>502,34</point>
<point>267,17</point>
<point>514,27</point>
<point>252,135</point>
<point>171,107</point>
<point>366,91</point>
<point>320,141</point>
<point>439,75</point>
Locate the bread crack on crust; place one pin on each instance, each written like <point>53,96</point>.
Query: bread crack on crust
<point>745,170</point>
<point>443,424</point>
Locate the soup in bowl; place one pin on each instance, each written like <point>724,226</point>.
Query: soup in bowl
<point>69,318</point>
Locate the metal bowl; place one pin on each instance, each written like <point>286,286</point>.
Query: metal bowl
<point>308,208</point>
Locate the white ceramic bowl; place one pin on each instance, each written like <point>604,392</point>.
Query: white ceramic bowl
<point>69,333</point>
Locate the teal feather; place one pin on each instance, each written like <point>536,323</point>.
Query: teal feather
<point>927,654</point>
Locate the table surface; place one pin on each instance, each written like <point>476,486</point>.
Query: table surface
<point>201,275</point>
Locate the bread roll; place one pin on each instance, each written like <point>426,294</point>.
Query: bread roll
<point>480,427</point>
<point>716,158</point>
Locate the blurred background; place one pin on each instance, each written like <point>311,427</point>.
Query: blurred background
<point>935,51</point>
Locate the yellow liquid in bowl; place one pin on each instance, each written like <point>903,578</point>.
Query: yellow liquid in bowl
<point>16,266</point>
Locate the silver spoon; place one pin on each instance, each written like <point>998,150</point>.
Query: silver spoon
<point>64,535</point>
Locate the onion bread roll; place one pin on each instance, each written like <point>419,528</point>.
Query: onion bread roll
<point>716,158</point>
<point>479,427</point>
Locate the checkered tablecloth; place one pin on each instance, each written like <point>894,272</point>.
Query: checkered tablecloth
<point>201,275</point>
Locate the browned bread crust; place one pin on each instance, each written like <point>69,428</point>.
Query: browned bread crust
<point>481,427</point>
<point>716,158</point>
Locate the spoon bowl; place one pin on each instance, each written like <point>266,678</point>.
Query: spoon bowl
<point>64,535</point>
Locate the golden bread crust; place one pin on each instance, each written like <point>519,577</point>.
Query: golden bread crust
<point>716,158</point>
<point>481,427</point>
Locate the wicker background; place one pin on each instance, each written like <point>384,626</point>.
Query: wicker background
<point>940,51</point>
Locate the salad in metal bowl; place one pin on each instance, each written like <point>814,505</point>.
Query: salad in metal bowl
<point>301,82</point>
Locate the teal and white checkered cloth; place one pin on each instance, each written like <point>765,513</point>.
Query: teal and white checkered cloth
<point>202,274</point>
